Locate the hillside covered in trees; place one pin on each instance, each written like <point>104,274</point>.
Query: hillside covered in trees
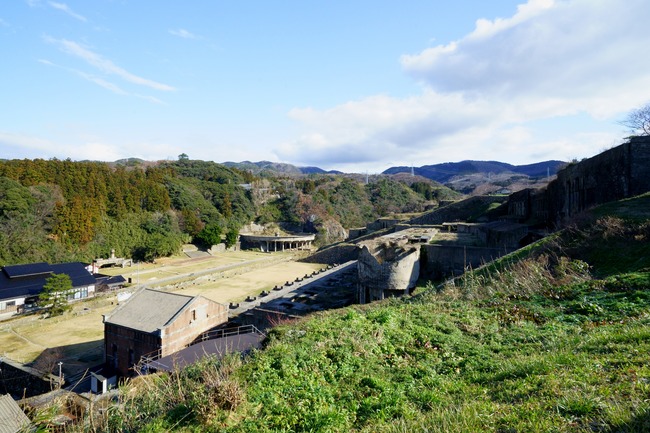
<point>53,210</point>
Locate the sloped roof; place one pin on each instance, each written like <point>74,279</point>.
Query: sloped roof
<point>219,348</point>
<point>148,310</point>
<point>12,418</point>
<point>110,280</point>
<point>27,280</point>
<point>27,270</point>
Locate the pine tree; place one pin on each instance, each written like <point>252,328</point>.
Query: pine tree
<point>54,295</point>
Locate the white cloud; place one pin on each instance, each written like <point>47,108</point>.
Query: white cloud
<point>182,33</point>
<point>566,53</point>
<point>8,139</point>
<point>550,60</point>
<point>65,8</point>
<point>79,146</point>
<point>104,65</point>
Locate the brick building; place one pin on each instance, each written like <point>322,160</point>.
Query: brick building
<point>152,323</point>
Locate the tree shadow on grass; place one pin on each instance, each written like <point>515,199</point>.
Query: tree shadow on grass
<point>75,358</point>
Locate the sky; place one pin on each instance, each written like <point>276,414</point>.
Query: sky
<point>357,86</point>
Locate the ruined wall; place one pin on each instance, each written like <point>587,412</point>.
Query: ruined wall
<point>336,254</point>
<point>501,234</point>
<point>447,260</point>
<point>618,173</point>
<point>458,211</point>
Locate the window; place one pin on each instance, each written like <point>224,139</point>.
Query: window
<point>7,305</point>
<point>131,358</point>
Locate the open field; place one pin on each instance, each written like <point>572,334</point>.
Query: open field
<point>77,336</point>
<point>238,287</point>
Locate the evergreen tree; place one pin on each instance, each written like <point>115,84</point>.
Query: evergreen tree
<point>210,235</point>
<point>231,237</point>
<point>54,295</point>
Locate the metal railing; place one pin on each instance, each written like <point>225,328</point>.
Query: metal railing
<point>206,336</point>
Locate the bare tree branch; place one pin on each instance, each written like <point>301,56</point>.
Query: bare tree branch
<point>638,121</point>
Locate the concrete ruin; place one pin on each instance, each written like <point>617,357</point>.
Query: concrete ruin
<point>111,261</point>
<point>390,271</point>
<point>617,173</point>
<point>269,244</point>
<point>389,266</point>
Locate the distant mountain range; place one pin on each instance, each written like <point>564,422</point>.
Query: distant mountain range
<point>444,172</point>
<point>277,167</point>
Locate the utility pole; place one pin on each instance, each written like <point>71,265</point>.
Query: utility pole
<point>60,375</point>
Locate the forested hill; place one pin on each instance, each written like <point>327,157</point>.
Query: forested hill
<point>53,210</point>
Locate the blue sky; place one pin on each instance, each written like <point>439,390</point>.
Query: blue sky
<point>357,86</point>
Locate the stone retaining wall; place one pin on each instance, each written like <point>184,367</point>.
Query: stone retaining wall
<point>336,254</point>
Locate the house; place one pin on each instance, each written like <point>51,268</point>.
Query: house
<point>153,324</point>
<point>12,417</point>
<point>107,283</point>
<point>20,285</point>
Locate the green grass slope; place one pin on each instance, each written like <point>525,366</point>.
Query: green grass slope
<point>542,341</point>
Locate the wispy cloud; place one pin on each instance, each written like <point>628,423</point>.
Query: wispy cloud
<point>65,8</point>
<point>105,65</point>
<point>150,99</point>
<point>182,33</point>
<point>103,83</point>
<point>3,23</point>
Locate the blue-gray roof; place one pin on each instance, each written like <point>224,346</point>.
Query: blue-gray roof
<point>19,281</point>
<point>28,270</point>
